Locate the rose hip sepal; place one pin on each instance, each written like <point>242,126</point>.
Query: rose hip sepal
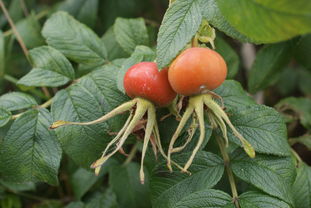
<point>194,73</point>
<point>147,86</point>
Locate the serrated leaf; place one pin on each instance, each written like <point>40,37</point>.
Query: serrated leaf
<point>270,60</point>
<point>136,195</point>
<point>17,101</point>
<point>114,49</point>
<point>263,127</point>
<point>130,33</point>
<point>233,94</point>
<point>5,117</point>
<point>211,12</point>
<point>302,187</point>
<point>259,200</point>
<point>169,188</point>
<point>107,199</point>
<point>75,40</point>
<point>208,198</point>
<point>301,106</point>
<point>83,10</point>
<point>268,21</point>
<point>271,174</point>
<point>2,54</point>
<point>30,152</point>
<point>141,53</point>
<point>51,68</point>
<point>29,30</point>
<point>180,23</point>
<point>95,95</point>
<point>230,56</point>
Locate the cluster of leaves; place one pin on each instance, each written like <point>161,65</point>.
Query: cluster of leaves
<point>84,74</point>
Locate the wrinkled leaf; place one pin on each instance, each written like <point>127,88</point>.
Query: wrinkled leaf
<point>263,127</point>
<point>30,152</point>
<point>268,21</point>
<point>270,60</point>
<point>260,200</point>
<point>273,175</point>
<point>5,117</point>
<point>51,68</point>
<point>114,49</point>
<point>302,187</point>
<point>75,40</point>
<point>169,188</point>
<point>17,101</point>
<point>130,33</point>
<point>180,23</point>
<point>234,96</point>
<point>208,198</point>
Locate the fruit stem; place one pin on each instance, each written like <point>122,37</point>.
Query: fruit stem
<point>120,109</point>
<point>217,110</point>
<point>181,125</point>
<point>226,159</point>
<point>149,128</point>
<point>197,102</point>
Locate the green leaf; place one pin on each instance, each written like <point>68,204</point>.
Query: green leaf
<point>271,174</point>
<point>259,200</point>
<point>270,60</point>
<point>263,127</point>
<point>29,30</point>
<point>114,49</point>
<point>94,95</point>
<point>15,12</point>
<point>75,40</point>
<point>141,53</point>
<point>180,23</point>
<point>51,68</point>
<point>302,187</point>
<point>268,21</point>
<point>300,106</point>
<point>17,101</point>
<point>233,94</point>
<point>75,205</point>
<point>211,12</point>
<point>168,189</point>
<point>135,195</point>
<point>5,117</point>
<point>230,56</point>
<point>130,33</point>
<point>83,10</point>
<point>17,187</point>
<point>30,152</point>
<point>107,199</point>
<point>304,81</point>
<point>82,180</point>
<point>302,51</point>
<point>208,198</point>
<point>2,54</point>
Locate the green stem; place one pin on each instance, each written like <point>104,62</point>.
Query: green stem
<point>11,79</point>
<point>226,159</point>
